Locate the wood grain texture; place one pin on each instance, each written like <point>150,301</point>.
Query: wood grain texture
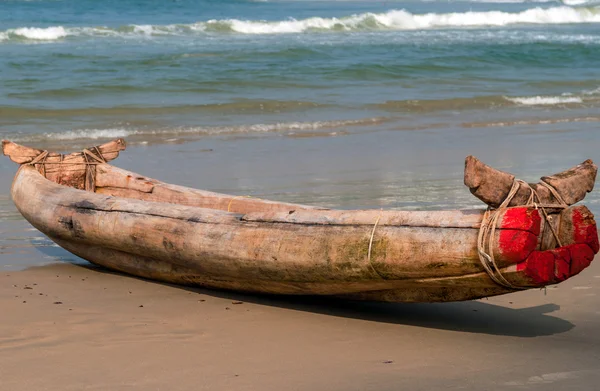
<point>77,170</point>
<point>271,253</point>
<point>492,186</point>
<point>144,227</point>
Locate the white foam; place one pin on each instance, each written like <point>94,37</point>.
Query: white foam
<point>556,15</point>
<point>92,134</point>
<point>404,20</point>
<point>144,29</point>
<point>95,134</point>
<point>511,1</point>
<point>391,20</point>
<point>40,34</point>
<point>595,91</point>
<point>580,2</point>
<point>544,100</point>
<point>157,30</point>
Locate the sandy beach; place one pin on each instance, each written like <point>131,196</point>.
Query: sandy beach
<point>342,104</point>
<point>67,326</point>
<point>73,327</point>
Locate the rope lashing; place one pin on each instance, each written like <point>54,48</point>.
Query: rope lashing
<point>371,245</point>
<point>490,220</point>
<point>42,158</point>
<point>96,156</point>
<point>234,198</point>
<point>39,159</point>
<point>91,159</point>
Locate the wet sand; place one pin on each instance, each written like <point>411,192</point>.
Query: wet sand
<point>69,327</point>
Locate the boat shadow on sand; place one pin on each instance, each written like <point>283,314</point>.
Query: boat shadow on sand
<point>469,316</point>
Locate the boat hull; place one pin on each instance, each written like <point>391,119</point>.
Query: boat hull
<point>287,249</point>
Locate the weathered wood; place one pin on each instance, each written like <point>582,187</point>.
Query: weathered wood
<point>269,254</point>
<point>122,183</point>
<point>19,153</point>
<point>22,155</point>
<point>492,186</point>
<point>442,289</point>
<point>144,227</point>
<point>419,290</point>
<point>76,170</point>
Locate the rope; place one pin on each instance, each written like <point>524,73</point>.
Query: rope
<point>63,162</point>
<point>554,193</point>
<point>236,197</point>
<point>99,158</point>
<point>490,221</point>
<point>42,158</point>
<point>90,170</point>
<point>371,246</point>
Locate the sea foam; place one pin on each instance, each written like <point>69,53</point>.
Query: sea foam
<point>581,2</point>
<point>40,34</point>
<point>93,134</point>
<point>386,21</point>
<point>545,100</point>
<point>404,20</point>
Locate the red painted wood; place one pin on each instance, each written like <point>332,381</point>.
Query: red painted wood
<point>522,218</point>
<point>562,267</point>
<point>514,246</point>
<point>539,267</point>
<point>581,257</point>
<point>584,228</point>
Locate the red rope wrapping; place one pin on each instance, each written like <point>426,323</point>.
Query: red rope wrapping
<point>490,220</point>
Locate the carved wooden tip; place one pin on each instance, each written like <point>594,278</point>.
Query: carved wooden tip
<point>21,154</point>
<point>492,186</point>
<point>478,173</point>
<point>4,146</point>
<point>582,176</point>
<point>121,144</point>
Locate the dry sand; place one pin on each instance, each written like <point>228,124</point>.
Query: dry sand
<point>71,327</point>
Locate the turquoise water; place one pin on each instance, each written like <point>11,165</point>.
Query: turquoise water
<point>155,71</point>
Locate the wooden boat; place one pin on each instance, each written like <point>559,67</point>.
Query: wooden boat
<point>127,222</point>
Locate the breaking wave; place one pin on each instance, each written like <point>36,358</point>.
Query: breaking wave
<point>95,134</point>
<point>545,100</point>
<point>404,20</point>
<point>580,2</point>
<point>391,20</point>
<point>586,98</point>
<point>40,34</point>
<point>535,121</point>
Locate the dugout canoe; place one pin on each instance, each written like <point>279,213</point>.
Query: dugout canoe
<point>141,226</point>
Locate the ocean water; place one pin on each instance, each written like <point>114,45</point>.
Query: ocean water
<point>351,104</point>
<point>158,70</point>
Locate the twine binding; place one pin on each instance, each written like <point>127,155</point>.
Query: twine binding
<point>371,245</point>
<point>490,220</point>
<point>91,160</point>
